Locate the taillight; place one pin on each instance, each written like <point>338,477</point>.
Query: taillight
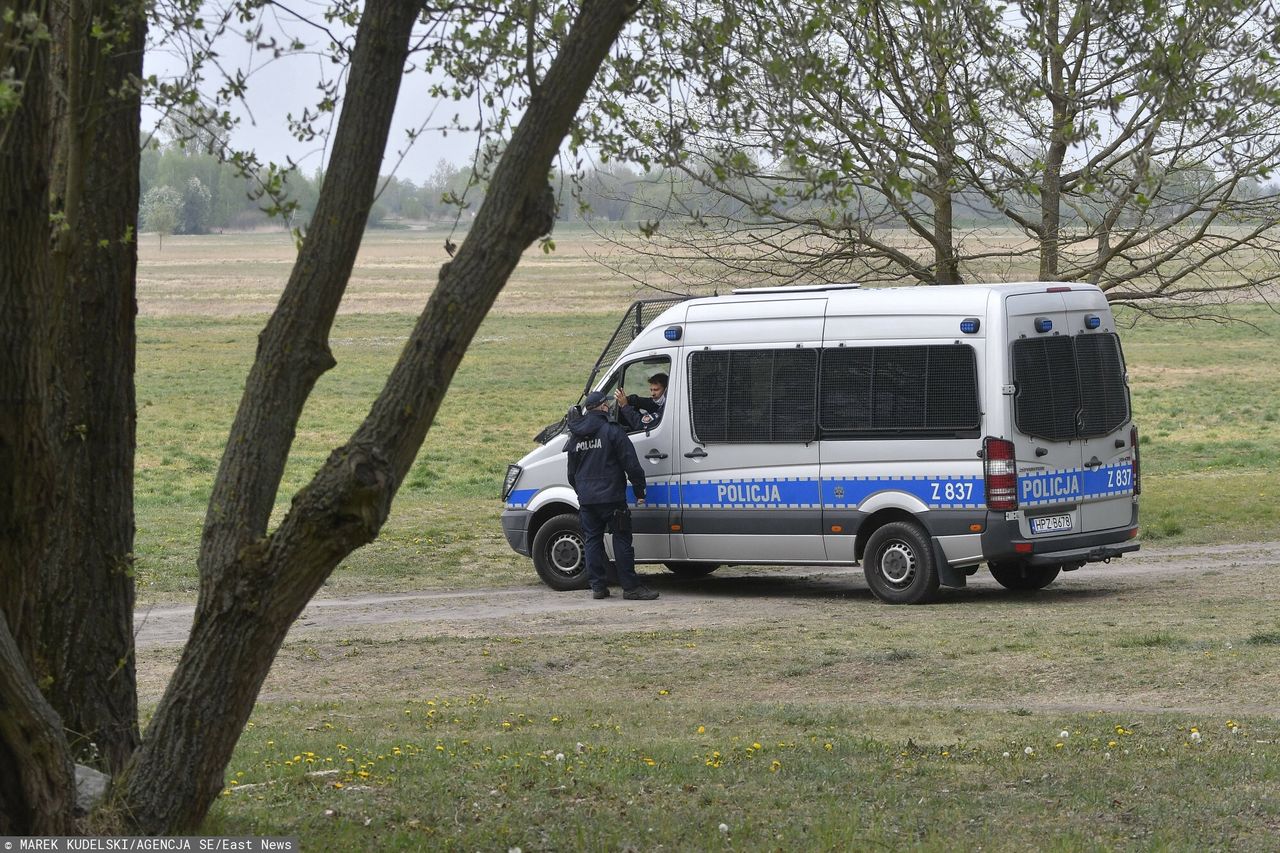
<point>1137,464</point>
<point>1000,471</point>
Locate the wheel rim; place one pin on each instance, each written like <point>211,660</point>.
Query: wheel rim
<point>897,564</point>
<point>565,554</point>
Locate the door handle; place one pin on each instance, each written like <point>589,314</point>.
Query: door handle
<point>696,453</point>
<point>1095,462</point>
<point>655,455</point>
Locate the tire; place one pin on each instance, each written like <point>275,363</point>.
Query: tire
<point>559,553</point>
<point>691,570</point>
<point>1018,576</point>
<point>898,564</point>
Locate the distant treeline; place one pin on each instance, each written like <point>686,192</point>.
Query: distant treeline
<point>187,192</point>
<point>190,192</point>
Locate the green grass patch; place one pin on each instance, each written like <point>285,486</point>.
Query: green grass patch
<point>484,772</point>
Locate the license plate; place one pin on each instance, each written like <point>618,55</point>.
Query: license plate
<point>1051,524</point>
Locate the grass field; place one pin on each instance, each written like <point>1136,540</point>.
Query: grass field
<point>818,722</point>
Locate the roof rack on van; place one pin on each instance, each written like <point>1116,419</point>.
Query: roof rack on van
<point>807,288</point>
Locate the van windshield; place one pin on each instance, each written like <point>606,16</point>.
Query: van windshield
<point>1070,387</point>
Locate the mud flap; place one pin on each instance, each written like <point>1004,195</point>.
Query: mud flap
<point>948,575</point>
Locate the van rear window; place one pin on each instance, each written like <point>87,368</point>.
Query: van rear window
<point>869,391</point>
<point>1069,387</point>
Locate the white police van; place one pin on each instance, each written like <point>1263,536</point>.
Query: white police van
<point>919,431</point>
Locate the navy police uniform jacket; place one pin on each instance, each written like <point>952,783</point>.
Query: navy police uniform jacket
<point>601,460</point>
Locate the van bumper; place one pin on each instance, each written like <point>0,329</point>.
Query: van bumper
<point>1003,542</point>
<point>515,526</point>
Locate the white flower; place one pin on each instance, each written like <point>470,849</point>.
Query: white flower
<point>1006,755</point>
<point>1106,755</point>
<point>1029,751</point>
<point>580,747</point>
<point>1064,734</point>
<point>724,827</point>
<point>559,756</point>
<point>1195,736</point>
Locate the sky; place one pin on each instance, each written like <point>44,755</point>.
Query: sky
<point>278,87</point>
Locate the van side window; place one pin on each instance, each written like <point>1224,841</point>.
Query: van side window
<point>1069,387</point>
<point>757,395</point>
<point>878,390</point>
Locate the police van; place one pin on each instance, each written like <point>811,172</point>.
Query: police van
<point>920,432</point>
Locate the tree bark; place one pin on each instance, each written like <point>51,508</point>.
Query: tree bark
<point>27,472</point>
<point>37,787</point>
<point>37,784</point>
<point>248,603</point>
<point>86,628</point>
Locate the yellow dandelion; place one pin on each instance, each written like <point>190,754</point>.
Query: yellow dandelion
<point>775,766</point>
<point>757,746</point>
<point>828,746</point>
<point>702,730</point>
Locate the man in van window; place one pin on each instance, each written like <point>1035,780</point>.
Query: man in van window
<point>601,460</point>
<point>636,412</point>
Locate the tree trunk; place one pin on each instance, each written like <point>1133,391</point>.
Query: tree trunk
<point>245,606</point>
<point>86,629</point>
<point>253,587</point>
<point>36,785</point>
<point>1051,177</point>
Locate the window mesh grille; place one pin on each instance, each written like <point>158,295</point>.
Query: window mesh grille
<point>1105,398</point>
<point>1048,398</point>
<point>748,396</point>
<point>899,389</point>
<point>639,315</point>
<point>1070,387</point>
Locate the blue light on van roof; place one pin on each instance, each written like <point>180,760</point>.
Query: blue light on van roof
<point>1092,321</point>
<point>970,325</point>
<point>1043,324</point>
<point>672,333</point>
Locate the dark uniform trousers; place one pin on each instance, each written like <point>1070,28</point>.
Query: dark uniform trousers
<point>596,521</point>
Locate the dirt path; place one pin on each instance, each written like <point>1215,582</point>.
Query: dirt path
<point>733,595</point>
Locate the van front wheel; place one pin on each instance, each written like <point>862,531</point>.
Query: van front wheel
<point>560,553</point>
<point>898,563</point>
<point>1018,576</point>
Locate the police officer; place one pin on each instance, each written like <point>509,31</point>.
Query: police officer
<point>638,412</point>
<point>601,460</point>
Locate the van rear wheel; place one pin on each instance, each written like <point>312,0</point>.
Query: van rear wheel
<point>1018,576</point>
<point>898,564</point>
<point>692,570</point>
<point>560,553</point>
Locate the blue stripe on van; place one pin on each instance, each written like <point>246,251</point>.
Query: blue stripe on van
<point>767,493</point>
<point>935,492</point>
<point>1076,484</point>
<point>1046,487</point>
